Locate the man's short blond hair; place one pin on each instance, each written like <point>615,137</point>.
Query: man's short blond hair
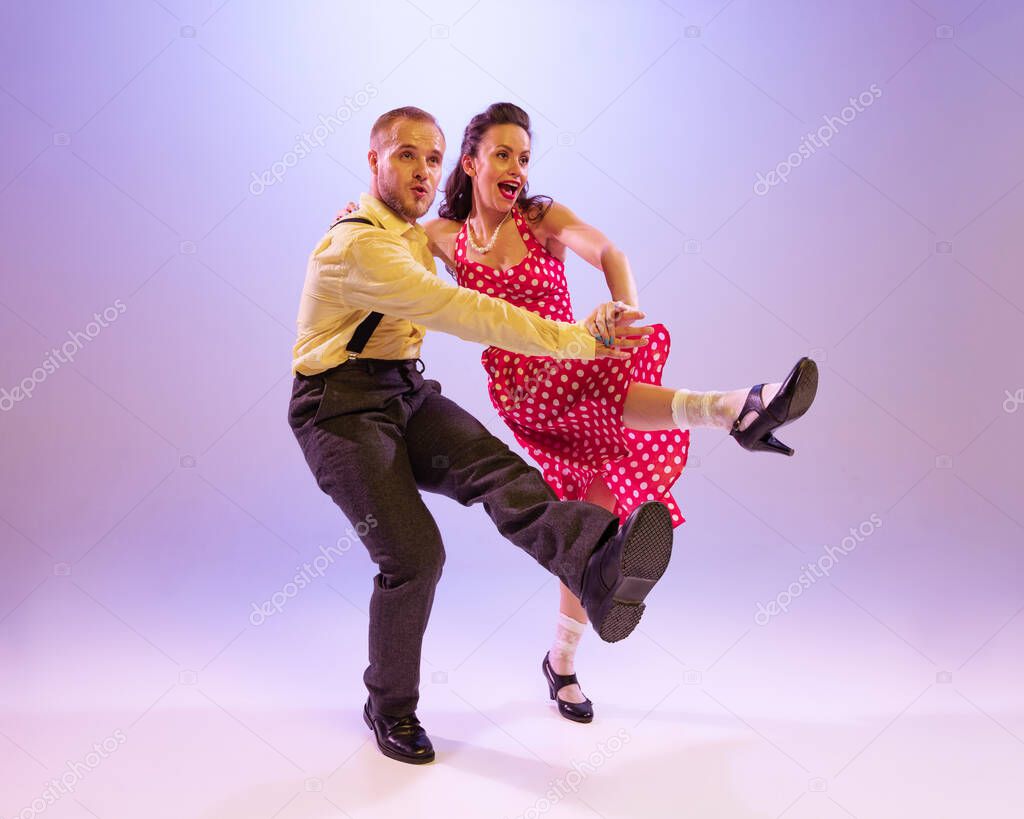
<point>386,120</point>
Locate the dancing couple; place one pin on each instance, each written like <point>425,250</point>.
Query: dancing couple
<point>584,399</point>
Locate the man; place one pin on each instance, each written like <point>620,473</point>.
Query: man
<point>375,433</point>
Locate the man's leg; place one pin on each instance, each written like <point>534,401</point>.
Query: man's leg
<point>453,454</point>
<point>360,460</point>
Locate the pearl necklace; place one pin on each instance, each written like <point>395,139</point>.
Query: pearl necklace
<point>483,251</point>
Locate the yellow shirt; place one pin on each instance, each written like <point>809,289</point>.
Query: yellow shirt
<point>358,269</point>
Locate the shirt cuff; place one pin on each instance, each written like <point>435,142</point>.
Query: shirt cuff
<point>575,341</point>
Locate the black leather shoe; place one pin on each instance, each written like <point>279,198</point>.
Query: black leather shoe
<point>792,400</point>
<point>401,738</point>
<point>621,572</point>
<point>576,711</point>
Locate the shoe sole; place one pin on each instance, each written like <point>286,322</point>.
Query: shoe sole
<point>803,395</point>
<point>645,555</point>
<point>420,760</point>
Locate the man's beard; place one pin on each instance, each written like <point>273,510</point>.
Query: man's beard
<point>390,198</point>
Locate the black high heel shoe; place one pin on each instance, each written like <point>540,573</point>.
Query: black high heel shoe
<point>576,711</point>
<point>793,399</point>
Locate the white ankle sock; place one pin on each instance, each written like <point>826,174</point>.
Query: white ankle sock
<point>700,409</point>
<point>567,637</point>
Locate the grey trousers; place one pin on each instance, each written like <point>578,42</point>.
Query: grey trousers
<point>374,434</point>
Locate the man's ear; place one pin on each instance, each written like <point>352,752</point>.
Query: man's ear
<point>371,157</point>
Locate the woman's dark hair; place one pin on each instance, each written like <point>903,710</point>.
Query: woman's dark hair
<point>458,188</point>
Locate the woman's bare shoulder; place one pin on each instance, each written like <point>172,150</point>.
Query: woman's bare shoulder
<point>555,213</point>
<point>441,229</point>
<point>554,218</point>
<point>442,233</point>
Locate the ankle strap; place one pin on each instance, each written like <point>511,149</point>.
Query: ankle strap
<point>752,404</point>
<point>560,680</point>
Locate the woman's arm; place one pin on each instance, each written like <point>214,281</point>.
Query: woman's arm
<point>442,233</point>
<point>591,245</point>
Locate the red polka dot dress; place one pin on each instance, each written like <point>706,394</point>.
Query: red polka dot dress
<point>567,414</point>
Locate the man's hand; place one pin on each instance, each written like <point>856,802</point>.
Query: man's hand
<point>613,325</point>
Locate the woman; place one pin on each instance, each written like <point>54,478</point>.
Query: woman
<point>604,431</point>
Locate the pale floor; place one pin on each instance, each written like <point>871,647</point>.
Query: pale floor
<point>714,745</point>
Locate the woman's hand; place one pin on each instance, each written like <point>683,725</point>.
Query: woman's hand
<point>606,317</point>
<point>613,324</point>
<point>351,206</point>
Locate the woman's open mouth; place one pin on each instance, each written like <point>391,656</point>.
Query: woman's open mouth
<point>508,190</point>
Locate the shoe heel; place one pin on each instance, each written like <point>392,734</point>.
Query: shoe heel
<point>772,444</point>
<point>544,666</point>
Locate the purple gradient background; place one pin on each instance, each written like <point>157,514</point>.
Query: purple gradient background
<point>153,491</point>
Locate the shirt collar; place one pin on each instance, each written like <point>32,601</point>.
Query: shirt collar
<point>389,220</point>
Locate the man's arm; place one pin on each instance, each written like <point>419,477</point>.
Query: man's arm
<point>376,271</point>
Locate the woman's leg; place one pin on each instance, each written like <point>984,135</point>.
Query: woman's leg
<point>562,654</point>
<point>649,407</point>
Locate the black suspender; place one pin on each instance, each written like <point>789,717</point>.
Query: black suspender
<point>368,324</point>
<point>359,219</point>
<point>362,334</point>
